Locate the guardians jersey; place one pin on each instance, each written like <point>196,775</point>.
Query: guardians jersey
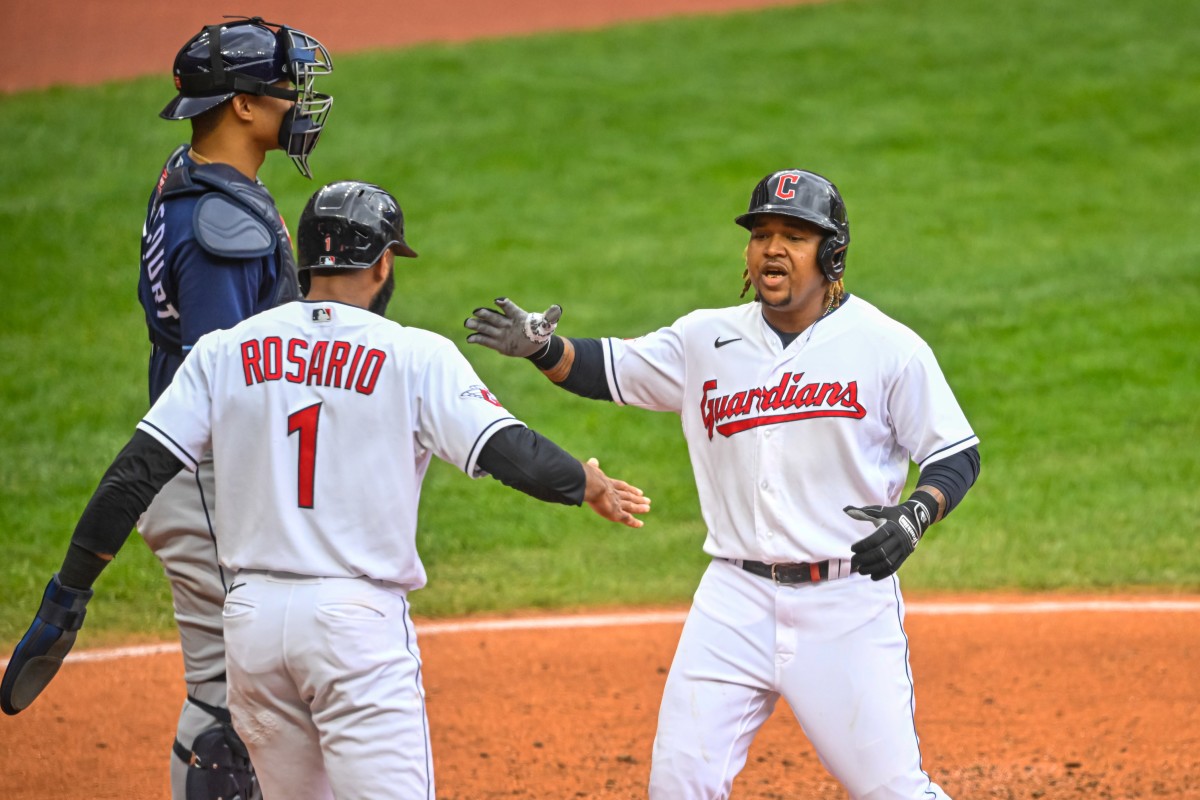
<point>322,419</point>
<point>782,438</point>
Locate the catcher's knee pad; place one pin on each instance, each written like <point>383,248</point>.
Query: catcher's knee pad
<point>218,765</point>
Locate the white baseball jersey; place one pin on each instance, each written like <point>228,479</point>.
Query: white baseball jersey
<point>309,409</point>
<point>782,438</point>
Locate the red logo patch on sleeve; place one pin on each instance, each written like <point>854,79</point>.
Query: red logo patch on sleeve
<point>482,393</point>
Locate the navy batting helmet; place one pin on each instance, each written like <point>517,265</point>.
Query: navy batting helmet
<point>349,225</point>
<point>250,56</point>
<point>808,196</point>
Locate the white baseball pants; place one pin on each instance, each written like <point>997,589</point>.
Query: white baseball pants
<point>836,651</point>
<point>325,687</point>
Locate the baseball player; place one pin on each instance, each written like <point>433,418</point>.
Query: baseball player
<point>322,418</point>
<point>801,410</point>
<point>215,251</point>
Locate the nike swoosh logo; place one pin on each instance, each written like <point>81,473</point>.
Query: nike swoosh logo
<point>236,586</point>
<point>718,343</point>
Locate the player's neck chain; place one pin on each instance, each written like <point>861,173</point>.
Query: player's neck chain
<point>788,338</point>
<point>199,159</point>
<point>827,311</point>
<point>812,328</point>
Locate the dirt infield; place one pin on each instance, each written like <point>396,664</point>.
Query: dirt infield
<point>1047,704</point>
<point>87,41</point>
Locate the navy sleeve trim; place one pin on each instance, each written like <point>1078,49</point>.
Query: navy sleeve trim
<point>932,456</point>
<point>481,441</point>
<point>612,364</point>
<point>178,447</point>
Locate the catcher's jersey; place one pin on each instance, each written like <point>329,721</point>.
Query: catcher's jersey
<point>782,438</point>
<point>187,291</point>
<point>322,418</point>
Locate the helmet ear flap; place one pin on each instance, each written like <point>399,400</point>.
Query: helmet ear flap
<point>831,256</point>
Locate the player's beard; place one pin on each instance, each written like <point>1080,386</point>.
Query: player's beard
<point>783,302</point>
<point>379,302</point>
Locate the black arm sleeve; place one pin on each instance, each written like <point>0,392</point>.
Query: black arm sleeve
<point>529,462</point>
<point>133,479</point>
<point>953,475</point>
<point>586,377</point>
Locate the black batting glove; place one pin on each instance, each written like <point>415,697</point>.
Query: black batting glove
<point>41,651</point>
<point>897,531</point>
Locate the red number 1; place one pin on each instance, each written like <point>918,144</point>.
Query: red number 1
<point>304,422</point>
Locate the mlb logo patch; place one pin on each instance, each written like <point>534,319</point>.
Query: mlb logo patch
<point>327,261</point>
<point>322,314</point>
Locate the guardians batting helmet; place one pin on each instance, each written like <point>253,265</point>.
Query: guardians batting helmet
<point>248,57</point>
<point>808,196</point>
<point>348,225</point>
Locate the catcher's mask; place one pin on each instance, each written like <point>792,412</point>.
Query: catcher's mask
<point>248,57</point>
<point>808,196</point>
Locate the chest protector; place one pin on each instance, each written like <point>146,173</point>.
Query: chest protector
<point>234,218</point>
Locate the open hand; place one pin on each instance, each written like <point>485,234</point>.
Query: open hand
<point>513,331</point>
<point>613,499</point>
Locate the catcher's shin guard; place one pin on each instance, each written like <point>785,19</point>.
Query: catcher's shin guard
<point>218,765</point>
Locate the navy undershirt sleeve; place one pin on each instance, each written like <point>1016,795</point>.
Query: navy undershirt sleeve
<point>952,475</point>
<point>135,476</point>
<point>586,378</point>
<point>525,460</point>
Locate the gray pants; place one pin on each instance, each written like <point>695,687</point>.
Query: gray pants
<point>178,528</point>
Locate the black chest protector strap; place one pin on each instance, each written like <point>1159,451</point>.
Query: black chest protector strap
<point>236,219</point>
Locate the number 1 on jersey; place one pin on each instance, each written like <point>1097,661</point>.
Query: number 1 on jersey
<point>304,422</point>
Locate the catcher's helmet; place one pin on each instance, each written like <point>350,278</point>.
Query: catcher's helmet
<point>248,57</point>
<point>348,225</point>
<point>808,196</point>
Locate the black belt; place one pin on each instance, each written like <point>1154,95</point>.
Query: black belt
<point>789,574</point>
<point>174,348</point>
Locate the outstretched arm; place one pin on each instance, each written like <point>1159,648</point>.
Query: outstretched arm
<point>131,482</point>
<point>529,462</point>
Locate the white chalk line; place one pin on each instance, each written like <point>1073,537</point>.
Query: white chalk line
<point>916,607</point>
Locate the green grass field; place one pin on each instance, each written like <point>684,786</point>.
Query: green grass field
<point>1021,180</point>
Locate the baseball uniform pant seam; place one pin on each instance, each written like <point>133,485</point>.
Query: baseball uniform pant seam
<point>212,535</point>
<point>408,637</point>
<point>912,696</point>
<point>753,705</point>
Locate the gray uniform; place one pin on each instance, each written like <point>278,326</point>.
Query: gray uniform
<point>214,251</point>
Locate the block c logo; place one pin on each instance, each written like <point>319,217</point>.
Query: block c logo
<point>785,190</point>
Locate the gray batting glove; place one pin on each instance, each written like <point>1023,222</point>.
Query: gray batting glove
<point>513,331</point>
